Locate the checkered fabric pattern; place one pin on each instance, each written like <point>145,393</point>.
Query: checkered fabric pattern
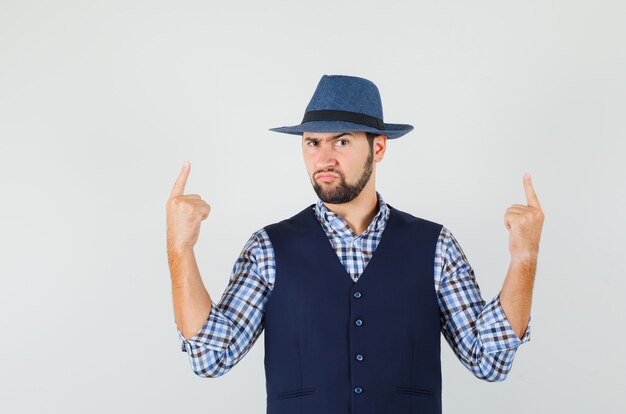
<point>479,333</point>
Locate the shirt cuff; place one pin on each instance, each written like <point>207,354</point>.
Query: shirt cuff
<point>495,330</point>
<point>215,334</point>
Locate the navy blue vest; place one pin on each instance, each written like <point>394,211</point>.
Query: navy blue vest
<point>333,346</point>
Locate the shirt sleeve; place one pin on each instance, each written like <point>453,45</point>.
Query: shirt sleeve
<point>479,333</point>
<point>235,323</point>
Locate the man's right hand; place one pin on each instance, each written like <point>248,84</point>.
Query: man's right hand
<point>184,214</point>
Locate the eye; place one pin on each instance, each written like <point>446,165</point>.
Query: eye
<point>343,140</point>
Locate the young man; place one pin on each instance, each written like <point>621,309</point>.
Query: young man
<point>353,294</point>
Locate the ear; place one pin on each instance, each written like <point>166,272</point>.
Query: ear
<point>380,145</point>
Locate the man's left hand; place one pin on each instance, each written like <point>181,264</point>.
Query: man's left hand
<point>524,223</point>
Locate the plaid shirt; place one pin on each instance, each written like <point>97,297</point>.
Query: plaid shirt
<point>479,333</point>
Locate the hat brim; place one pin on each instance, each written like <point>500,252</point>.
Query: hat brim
<point>391,131</point>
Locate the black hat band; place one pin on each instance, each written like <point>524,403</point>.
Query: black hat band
<point>333,115</point>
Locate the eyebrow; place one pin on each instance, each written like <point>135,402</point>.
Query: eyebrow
<point>328,138</point>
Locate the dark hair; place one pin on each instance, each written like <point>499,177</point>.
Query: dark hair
<point>370,138</point>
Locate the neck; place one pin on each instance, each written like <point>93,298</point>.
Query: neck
<point>359,212</point>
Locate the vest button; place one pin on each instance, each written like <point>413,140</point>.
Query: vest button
<point>359,357</point>
<point>358,390</point>
<point>357,295</point>
<point>358,322</point>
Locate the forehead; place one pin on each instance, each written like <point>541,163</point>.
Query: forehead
<point>326,136</point>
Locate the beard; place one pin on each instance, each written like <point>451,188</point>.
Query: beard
<point>344,192</point>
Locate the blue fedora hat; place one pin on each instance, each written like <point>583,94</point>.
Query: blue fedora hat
<point>344,103</point>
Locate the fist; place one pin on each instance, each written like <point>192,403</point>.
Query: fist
<point>524,223</point>
<point>184,214</point>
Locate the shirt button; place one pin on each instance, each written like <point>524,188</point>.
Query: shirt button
<point>358,390</point>
<point>357,295</point>
<point>359,357</point>
<point>358,322</point>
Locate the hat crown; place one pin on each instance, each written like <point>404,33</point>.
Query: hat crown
<point>346,93</point>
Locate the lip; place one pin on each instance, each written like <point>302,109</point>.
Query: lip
<point>326,177</point>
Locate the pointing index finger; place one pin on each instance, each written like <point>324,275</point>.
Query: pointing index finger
<point>531,195</point>
<point>179,185</point>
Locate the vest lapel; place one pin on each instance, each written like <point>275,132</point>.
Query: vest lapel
<point>321,234</point>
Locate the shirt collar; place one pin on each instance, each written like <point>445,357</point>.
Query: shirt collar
<point>336,223</point>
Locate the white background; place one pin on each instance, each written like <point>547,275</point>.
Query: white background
<point>102,102</point>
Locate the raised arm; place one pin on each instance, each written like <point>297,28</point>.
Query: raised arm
<point>184,213</point>
<point>485,336</point>
<point>215,336</point>
<point>524,223</point>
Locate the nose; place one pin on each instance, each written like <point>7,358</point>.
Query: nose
<point>325,158</point>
